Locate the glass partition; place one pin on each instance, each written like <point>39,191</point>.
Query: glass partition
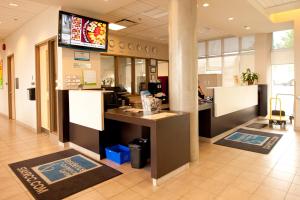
<point>107,71</point>
<point>124,73</point>
<point>140,74</point>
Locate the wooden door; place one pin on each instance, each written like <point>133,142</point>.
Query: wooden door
<point>11,87</point>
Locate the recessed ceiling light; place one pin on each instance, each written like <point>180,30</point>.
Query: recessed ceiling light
<point>205,5</point>
<point>13,4</point>
<point>247,27</point>
<point>230,18</point>
<point>116,27</point>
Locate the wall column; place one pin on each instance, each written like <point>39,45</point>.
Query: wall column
<point>297,70</point>
<point>183,75</point>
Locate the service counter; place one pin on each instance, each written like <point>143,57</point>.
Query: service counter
<point>231,107</point>
<point>89,128</point>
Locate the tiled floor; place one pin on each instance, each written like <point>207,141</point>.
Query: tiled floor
<point>222,173</point>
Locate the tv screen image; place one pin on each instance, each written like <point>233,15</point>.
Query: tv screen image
<point>82,32</point>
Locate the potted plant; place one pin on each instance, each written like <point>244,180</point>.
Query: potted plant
<point>249,77</point>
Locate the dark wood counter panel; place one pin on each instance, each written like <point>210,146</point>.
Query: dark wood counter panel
<point>169,137</point>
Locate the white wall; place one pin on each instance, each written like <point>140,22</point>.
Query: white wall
<point>22,43</point>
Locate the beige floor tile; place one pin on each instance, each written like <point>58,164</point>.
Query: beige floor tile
<point>21,196</point>
<point>276,184</point>
<point>198,194</point>
<point>81,193</point>
<point>292,197</point>
<point>245,185</point>
<point>231,193</point>
<point>163,194</point>
<point>296,180</point>
<point>269,193</point>
<point>93,195</point>
<point>145,188</point>
<point>215,187</point>
<point>294,189</point>
<point>251,176</point>
<point>128,195</point>
<point>110,188</point>
<point>282,175</point>
<point>10,191</point>
<point>131,179</point>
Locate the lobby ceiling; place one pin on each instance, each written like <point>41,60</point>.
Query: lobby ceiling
<point>150,17</point>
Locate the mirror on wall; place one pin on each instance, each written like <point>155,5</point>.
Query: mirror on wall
<point>140,75</point>
<point>107,71</point>
<point>124,73</point>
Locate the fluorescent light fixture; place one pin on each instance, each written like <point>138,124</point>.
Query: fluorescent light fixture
<point>230,18</point>
<point>247,27</point>
<point>116,27</point>
<point>205,5</point>
<point>13,4</point>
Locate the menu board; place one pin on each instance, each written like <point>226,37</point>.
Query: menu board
<point>79,31</point>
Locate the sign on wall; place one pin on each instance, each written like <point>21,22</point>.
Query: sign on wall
<point>1,74</point>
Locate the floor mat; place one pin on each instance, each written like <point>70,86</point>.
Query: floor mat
<point>249,140</point>
<point>59,175</point>
<point>257,125</point>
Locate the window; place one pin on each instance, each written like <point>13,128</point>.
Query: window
<point>214,48</point>
<point>107,71</point>
<point>248,43</point>
<point>201,50</point>
<point>202,66</point>
<point>283,39</point>
<point>124,73</point>
<point>140,74</point>
<point>231,45</point>
<point>243,50</point>
<point>230,70</point>
<point>247,61</point>
<point>214,65</point>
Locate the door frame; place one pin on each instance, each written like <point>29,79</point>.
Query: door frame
<point>52,65</point>
<point>10,79</point>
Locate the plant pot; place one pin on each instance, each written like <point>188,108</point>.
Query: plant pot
<point>250,82</point>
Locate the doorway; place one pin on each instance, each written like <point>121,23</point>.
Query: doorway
<point>283,86</point>
<point>46,98</point>
<point>11,87</point>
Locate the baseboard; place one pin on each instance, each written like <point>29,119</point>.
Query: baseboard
<point>173,173</point>
<point>26,126</point>
<point>4,115</point>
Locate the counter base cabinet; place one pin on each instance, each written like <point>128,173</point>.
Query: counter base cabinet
<point>210,126</point>
<point>85,137</point>
<point>169,138</point>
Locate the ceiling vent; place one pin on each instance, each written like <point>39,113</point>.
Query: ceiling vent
<point>126,22</point>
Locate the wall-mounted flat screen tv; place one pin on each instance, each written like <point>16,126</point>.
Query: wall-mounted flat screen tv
<point>81,32</point>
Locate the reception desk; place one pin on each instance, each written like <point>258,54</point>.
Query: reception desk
<point>232,106</point>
